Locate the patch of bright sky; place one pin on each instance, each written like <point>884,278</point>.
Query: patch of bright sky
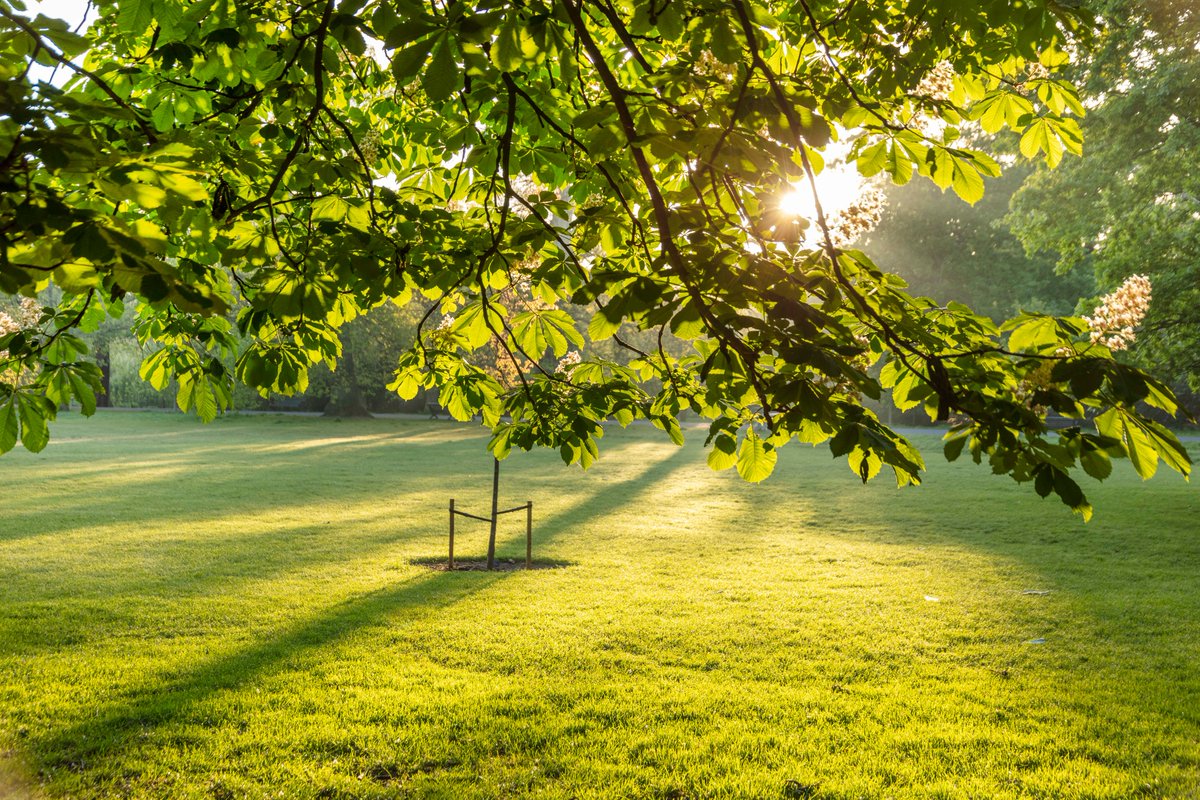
<point>78,14</point>
<point>838,185</point>
<point>75,12</point>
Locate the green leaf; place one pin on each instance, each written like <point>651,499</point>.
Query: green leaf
<point>967,182</point>
<point>954,447</point>
<point>507,51</point>
<point>1067,489</point>
<point>873,159</point>
<point>135,16</point>
<point>331,207</point>
<point>1138,445</point>
<point>724,42</point>
<point>455,401</point>
<point>1043,480</point>
<point>719,460</point>
<point>561,328</point>
<point>533,335</point>
<point>589,454</point>
<point>196,391</point>
<point>185,186</point>
<point>670,23</point>
<point>1001,108</point>
<point>155,369</point>
<point>687,323</point>
<point>83,392</point>
<point>9,428</point>
<point>671,426</point>
<point>941,167</point>
<point>909,391</point>
<point>1166,445</point>
<point>441,77</point>
<point>402,32</point>
<point>864,463</point>
<point>472,325</point>
<point>723,454</point>
<point>603,325</point>
<point>407,382</point>
<point>1042,136</point>
<point>35,427</point>
<point>407,63</point>
<point>899,165</point>
<point>500,445</point>
<point>755,461</point>
<point>1096,463</point>
<point>1158,395</point>
<point>1033,334</point>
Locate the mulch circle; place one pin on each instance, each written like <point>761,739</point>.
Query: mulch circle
<point>501,565</point>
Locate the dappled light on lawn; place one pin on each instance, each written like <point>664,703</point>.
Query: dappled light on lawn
<point>264,623</point>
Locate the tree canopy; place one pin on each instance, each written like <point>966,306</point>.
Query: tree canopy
<point>255,175</point>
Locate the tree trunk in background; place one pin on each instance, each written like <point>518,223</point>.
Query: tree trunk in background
<point>103,399</point>
<point>349,403</point>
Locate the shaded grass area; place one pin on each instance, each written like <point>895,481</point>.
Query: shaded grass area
<point>234,610</point>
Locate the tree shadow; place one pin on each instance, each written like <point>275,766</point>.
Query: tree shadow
<point>107,732</point>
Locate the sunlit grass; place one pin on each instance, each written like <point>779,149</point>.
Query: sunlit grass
<point>232,610</point>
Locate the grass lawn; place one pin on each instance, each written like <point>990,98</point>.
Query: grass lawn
<point>232,610</point>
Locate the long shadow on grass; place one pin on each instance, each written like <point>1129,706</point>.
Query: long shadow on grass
<point>107,732</point>
<point>226,556</point>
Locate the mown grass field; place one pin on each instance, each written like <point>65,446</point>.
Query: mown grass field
<point>232,610</point>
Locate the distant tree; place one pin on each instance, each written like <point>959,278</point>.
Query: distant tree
<point>1131,205</point>
<point>371,345</point>
<point>950,251</point>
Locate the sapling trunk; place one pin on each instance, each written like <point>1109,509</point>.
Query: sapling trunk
<point>495,508</point>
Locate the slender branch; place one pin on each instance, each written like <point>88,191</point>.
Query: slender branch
<point>318,69</point>
<point>833,64</point>
<point>659,206</point>
<point>42,347</point>
<point>78,70</point>
<point>937,372</point>
<point>623,34</point>
<point>357,152</point>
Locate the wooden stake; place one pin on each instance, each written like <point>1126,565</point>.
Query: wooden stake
<point>451,533</point>
<point>529,535</point>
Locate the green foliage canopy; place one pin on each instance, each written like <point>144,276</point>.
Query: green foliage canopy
<point>289,165</point>
<point>1134,199</point>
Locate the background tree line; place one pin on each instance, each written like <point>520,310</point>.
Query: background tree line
<point>1054,240</point>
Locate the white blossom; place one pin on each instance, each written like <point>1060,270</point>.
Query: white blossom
<point>858,218</point>
<point>28,314</point>
<point>1115,320</point>
<point>938,83</point>
<point>369,147</point>
<point>568,361</point>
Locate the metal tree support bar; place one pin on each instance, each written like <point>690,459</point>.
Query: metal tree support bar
<point>527,507</point>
